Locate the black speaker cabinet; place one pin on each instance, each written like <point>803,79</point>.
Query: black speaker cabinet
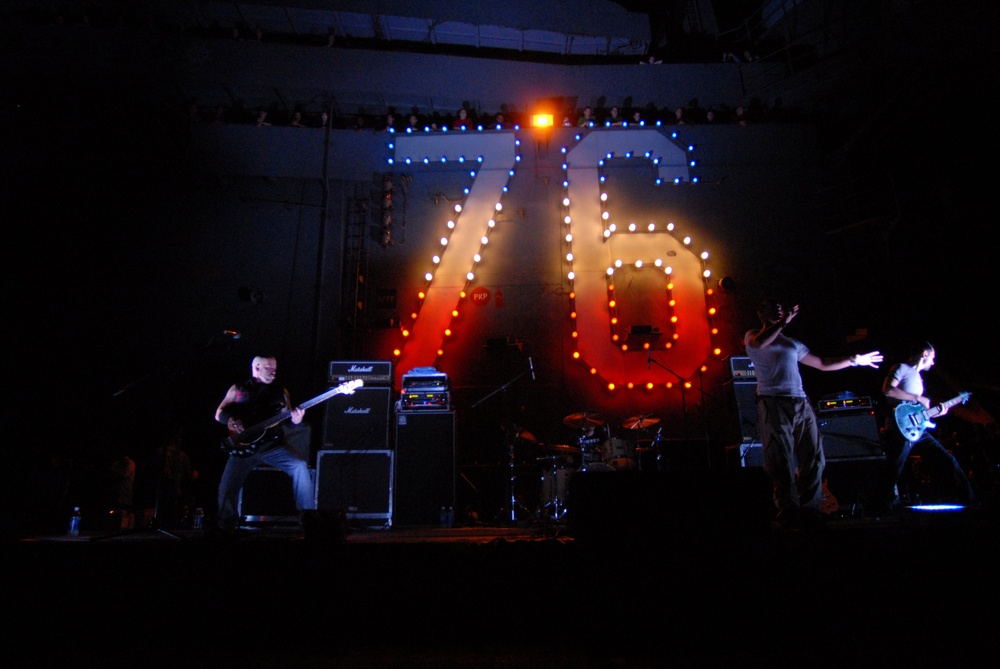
<point>854,482</point>
<point>746,410</point>
<point>850,436</point>
<point>359,421</point>
<point>425,466</point>
<point>358,483</point>
<point>267,496</point>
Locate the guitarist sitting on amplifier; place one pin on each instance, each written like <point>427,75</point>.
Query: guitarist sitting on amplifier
<point>906,427</point>
<point>256,399</point>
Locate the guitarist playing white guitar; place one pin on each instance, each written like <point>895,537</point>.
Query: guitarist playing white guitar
<point>260,399</point>
<point>907,425</point>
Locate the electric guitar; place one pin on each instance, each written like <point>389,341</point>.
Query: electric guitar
<point>829,504</point>
<point>912,418</point>
<point>249,441</point>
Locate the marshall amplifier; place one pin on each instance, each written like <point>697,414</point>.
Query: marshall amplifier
<point>359,483</point>
<point>371,372</point>
<point>359,421</point>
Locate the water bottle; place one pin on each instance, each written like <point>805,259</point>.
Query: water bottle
<point>74,523</point>
<point>443,516</point>
<point>198,521</point>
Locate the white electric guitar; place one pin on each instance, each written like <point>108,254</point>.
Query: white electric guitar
<point>249,441</point>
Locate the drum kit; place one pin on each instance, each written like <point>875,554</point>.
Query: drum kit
<point>597,448</point>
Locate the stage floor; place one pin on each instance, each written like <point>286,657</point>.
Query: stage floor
<point>649,591</point>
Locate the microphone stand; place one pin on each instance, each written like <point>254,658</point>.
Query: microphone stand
<point>680,379</point>
<point>510,505</point>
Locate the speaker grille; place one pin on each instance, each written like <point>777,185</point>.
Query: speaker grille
<point>359,421</point>
<point>851,436</point>
<point>425,466</point>
<point>359,483</point>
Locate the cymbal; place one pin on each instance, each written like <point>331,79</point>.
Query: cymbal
<point>639,422</point>
<point>577,421</point>
<point>560,448</point>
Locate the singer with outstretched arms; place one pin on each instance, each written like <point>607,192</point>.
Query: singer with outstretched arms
<point>790,440</point>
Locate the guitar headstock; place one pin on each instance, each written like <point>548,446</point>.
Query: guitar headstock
<point>348,387</point>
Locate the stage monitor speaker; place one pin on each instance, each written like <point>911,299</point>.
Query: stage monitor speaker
<point>359,421</point>
<point>746,409</point>
<point>267,496</point>
<point>425,466</point>
<point>850,436</point>
<point>359,483</point>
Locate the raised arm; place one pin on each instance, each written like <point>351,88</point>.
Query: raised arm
<point>766,335</point>
<point>870,359</point>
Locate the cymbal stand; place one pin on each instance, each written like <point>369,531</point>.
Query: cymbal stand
<point>556,505</point>
<point>658,448</point>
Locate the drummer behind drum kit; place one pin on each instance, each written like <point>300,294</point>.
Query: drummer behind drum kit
<point>596,450</point>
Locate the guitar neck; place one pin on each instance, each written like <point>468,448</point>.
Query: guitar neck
<point>321,398</point>
<point>285,414</point>
<point>936,410</point>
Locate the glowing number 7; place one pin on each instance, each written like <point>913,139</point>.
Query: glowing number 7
<point>491,158</point>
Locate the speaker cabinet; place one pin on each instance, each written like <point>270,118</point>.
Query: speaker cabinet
<point>358,483</point>
<point>850,436</point>
<point>359,421</point>
<point>746,410</point>
<point>425,466</point>
<point>267,496</point>
<point>854,482</point>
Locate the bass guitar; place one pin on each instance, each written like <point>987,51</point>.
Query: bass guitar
<point>912,418</point>
<point>249,441</point>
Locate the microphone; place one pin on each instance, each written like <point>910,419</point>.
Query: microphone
<point>231,333</point>
<point>531,366</point>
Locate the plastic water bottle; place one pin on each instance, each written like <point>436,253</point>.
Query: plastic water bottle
<point>198,521</point>
<point>74,523</point>
<point>447,516</point>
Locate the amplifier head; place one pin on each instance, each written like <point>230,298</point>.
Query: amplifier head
<point>372,372</point>
<point>741,368</point>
